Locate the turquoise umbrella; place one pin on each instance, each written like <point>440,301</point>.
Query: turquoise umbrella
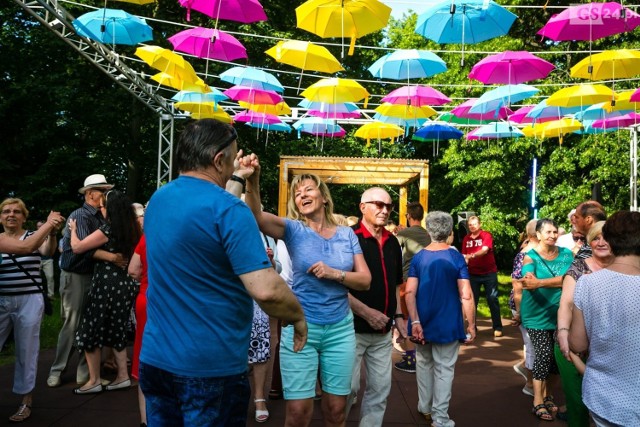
<point>113,26</point>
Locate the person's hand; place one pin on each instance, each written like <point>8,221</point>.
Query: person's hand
<point>323,271</point>
<point>72,225</point>
<point>417,334</point>
<point>244,166</point>
<point>56,220</point>
<point>516,320</point>
<point>270,254</point>
<point>120,261</point>
<point>530,282</point>
<point>377,319</point>
<point>299,335</point>
<point>562,336</point>
<point>471,334</point>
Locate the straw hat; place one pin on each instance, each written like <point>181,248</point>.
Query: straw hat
<point>95,181</point>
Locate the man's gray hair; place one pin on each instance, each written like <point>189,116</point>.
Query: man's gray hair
<point>439,226</point>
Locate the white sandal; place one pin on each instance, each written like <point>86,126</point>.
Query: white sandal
<point>262,415</point>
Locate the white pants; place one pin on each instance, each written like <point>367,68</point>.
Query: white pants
<point>529,354</point>
<point>47,269</point>
<point>375,351</point>
<point>24,314</point>
<point>435,365</point>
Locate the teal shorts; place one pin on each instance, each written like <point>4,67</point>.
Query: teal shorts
<point>333,347</point>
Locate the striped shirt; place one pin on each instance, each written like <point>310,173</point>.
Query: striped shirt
<point>88,219</point>
<point>13,280</point>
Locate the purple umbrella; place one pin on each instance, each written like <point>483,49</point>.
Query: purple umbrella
<point>256,117</point>
<point>335,114</point>
<point>416,96</point>
<point>625,120</point>
<point>208,43</point>
<point>510,68</point>
<point>589,22</point>
<point>462,111</point>
<point>245,11</point>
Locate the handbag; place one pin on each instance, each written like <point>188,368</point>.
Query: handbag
<point>48,307</point>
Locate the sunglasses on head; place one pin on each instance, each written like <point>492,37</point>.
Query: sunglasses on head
<point>380,205</point>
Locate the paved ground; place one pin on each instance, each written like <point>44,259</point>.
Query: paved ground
<point>486,392</point>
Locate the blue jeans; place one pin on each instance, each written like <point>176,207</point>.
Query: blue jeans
<point>490,283</point>
<point>175,400</point>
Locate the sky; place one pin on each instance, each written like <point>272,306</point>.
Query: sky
<point>399,7</point>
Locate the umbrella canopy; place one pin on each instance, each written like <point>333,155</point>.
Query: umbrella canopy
<point>497,130</point>
<point>323,107</point>
<point>339,18</point>
<point>220,115</point>
<point>611,64</point>
<point>245,11</point>
<point>623,103</point>
<point>405,111</point>
<point>553,129</point>
<point>510,68</point>
<point>251,77</point>
<point>597,112</point>
<point>167,62</point>
<point>208,43</point>
<point>335,114</point>
<point>378,130</point>
<point>113,26</point>
<point>305,55</point>
<point>214,96</point>
<point>451,118</point>
<point>543,112</point>
<point>177,83</point>
<point>590,21</point>
<point>581,95</point>
<point>635,96</point>
<point>317,126</point>
<point>278,109</point>
<point>622,121</point>
<point>277,127</point>
<point>407,64</point>
<point>398,121</point>
<point>254,116</point>
<point>253,96</point>
<point>520,115</point>
<point>417,96</point>
<point>463,111</point>
<point>336,90</point>
<point>437,131</point>
<point>502,96</point>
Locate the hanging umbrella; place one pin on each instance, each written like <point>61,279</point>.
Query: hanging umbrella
<point>502,96</point>
<point>177,83</point>
<point>339,18</point>
<point>335,115</point>
<point>251,77</point>
<point>623,102</point>
<point>407,64</point>
<point>318,127</point>
<point>498,130</point>
<point>277,127</point>
<point>336,90</point>
<point>245,11</point>
<point>463,111</point>
<point>629,119</point>
<point>597,112</point>
<point>167,62</point>
<point>204,110</point>
<point>543,112</point>
<point>214,96</point>
<point>450,118</point>
<point>553,129</point>
<point>113,26</point>
<point>379,131</point>
<point>305,55</point>
<point>399,121</point>
<point>253,116</point>
<point>510,68</point>
<point>437,131</point>
<point>464,21</point>
<point>208,43</point>
<point>279,109</point>
<point>253,96</point>
<point>581,95</point>
<point>611,64</point>
<point>417,96</point>
<point>520,115</point>
<point>325,108</point>
<point>139,2</point>
<point>589,22</point>
<point>471,135</point>
<point>405,111</point>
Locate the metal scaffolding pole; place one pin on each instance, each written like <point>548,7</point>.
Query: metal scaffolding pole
<point>633,169</point>
<point>165,149</point>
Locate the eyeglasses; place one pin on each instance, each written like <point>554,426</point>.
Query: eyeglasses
<point>380,205</point>
<point>577,238</point>
<point>227,142</point>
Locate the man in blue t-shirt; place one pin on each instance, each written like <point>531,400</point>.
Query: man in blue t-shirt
<point>206,263</point>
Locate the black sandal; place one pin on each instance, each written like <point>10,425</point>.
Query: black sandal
<point>549,403</point>
<point>542,412</point>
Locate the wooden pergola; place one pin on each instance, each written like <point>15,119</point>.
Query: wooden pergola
<point>363,171</point>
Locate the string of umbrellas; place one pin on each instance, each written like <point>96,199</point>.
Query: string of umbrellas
<point>583,108</point>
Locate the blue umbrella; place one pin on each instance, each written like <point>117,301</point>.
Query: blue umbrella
<point>342,107</point>
<point>251,77</point>
<point>214,96</point>
<point>464,21</point>
<point>316,126</point>
<point>278,127</point>
<point>597,112</point>
<point>113,26</point>
<point>502,96</point>
<point>437,131</point>
<point>543,111</point>
<point>407,64</point>
<point>406,123</point>
<point>497,130</point>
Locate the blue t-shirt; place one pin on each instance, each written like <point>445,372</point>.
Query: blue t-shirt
<point>199,239</point>
<point>324,301</point>
<point>438,297</point>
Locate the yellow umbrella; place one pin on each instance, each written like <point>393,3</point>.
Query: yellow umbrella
<point>623,102</point>
<point>335,91</point>
<point>553,129</point>
<point>343,18</point>
<point>204,110</point>
<point>378,130</point>
<point>168,62</point>
<point>305,55</point>
<point>172,81</point>
<point>220,116</point>
<point>136,1</point>
<point>277,110</point>
<point>612,64</point>
<point>581,95</point>
<point>406,112</point>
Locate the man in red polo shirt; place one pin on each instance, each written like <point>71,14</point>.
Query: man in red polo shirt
<point>477,248</point>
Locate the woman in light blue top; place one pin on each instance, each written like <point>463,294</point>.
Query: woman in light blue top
<point>326,260</point>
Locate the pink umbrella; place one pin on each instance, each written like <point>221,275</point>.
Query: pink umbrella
<point>471,136</point>
<point>521,116</point>
<point>590,21</point>
<point>253,96</point>
<point>256,117</point>
<point>462,111</point>
<point>208,43</point>
<point>245,11</point>
<point>416,96</point>
<point>625,120</point>
<point>335,114</point>
<point>510,68</point>
<point>635,96</point>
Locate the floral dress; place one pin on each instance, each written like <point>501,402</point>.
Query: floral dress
<point>106,314</point>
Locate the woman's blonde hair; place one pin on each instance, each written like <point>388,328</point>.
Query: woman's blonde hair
<point>15,201</point>
<point>292,209</point>
<point>594,232</point>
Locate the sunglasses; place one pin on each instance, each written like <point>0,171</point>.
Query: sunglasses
<point>381,205</point>
<point>577,238</point>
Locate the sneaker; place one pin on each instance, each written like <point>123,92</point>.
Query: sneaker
<point>521,370</point>
<point>497,333</point>
<point>54,381</point>
<point>406,365</point>
<point>528,391</point>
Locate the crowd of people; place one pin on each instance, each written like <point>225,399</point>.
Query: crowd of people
<point>301,305</point>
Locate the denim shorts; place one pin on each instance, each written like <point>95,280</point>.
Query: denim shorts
<point>176,400</point>
<point>333,346</point>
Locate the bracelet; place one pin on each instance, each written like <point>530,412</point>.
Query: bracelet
<point>343,276</point>
<point>415,322</point>
<point>239,179</point>
<point>564,329</point>
<point>398,316</point>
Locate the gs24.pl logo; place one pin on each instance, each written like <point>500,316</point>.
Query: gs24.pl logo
<point>595,13</point>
